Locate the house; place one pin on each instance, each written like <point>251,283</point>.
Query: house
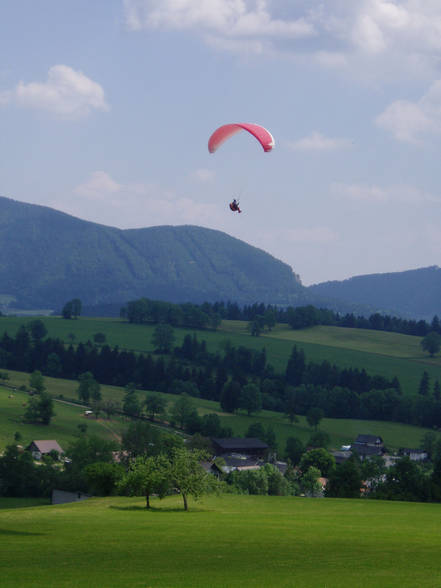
<point>369,440</point>
<point>366,451</point>
<point>341,456</point>
<point>414,454</point>
<point>249,446</point>
<point>368,445</point>
<point>40,448</point>
<point>237,461</point>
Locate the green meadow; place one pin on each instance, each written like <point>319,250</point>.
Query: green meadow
<point>225,541</point>
<point>387,354</point>
<point>64,426</point>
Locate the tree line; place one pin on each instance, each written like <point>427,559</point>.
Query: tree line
<point>237,377</point>
<point>208,315</point>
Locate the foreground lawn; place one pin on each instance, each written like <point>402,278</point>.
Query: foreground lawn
<point>227,541</point>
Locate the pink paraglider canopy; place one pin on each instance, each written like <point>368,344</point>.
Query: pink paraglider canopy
<point>224,132</point>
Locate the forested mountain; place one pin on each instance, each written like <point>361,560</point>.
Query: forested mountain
<point>48,257</point>
<point>413,293</point>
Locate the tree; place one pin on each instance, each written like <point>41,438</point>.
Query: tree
<point>294,450</point>
<point>309,482</point>
<point>36,382</point>
<point>424,385</point>
<point>290,404</point>
<point>230,395</point>
<point>156,405</point>
<point>250,398</point>
<point>256,326</point>
<point>88,388</point>
<point>319,458</point>
<point>431,343</point>
<point>99,338</point>
<point>319,439</point>
<point>37,329</point>
<point>295,367</point>
<point>314,416</point>
<point>76,307</point>
<point>188,476</point>
<point>163,338</point>
<point>345,480</point>
<point>147,476</point>
<point>54,366</point>
<point>72,309</point>
<point>182,410</point>
<point>141,439</point>
<point>67,310</point>
<point>40,409</point>
<point>102,478</point>
<point>131,404</point>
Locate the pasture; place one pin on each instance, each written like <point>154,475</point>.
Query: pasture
<point>386,354</point>
<point>223,541</point>
<point>64,426</point>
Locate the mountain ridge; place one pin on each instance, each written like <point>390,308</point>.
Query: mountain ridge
<point>48,257</point>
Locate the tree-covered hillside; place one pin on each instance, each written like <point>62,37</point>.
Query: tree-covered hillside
<point>48,257</point>
<point>414,293</point>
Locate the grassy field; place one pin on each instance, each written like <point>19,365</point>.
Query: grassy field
<point>387,354</point>
<point>225,541</point>
<point>64,426</point>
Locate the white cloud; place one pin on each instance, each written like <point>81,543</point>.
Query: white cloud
<point>131,205</point>
<point>409,121</point>
<point>373,38</point>
<point>318,142</point>
<point>66,92</point>
<point>228,17</point>
<point>99,185</point>
<point>377,194</point>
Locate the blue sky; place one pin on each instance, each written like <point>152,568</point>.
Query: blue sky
<point>106,108</point>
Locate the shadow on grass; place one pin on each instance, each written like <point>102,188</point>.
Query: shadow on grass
<point>154,509</point>
<point>19,533</point>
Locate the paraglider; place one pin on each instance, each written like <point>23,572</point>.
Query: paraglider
<point>234,206</point>
<point>224,132</point>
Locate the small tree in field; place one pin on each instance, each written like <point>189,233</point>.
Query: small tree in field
<point>431,343</point>
<point>188,476</point>
<point>36,382</point>
<point>314,416</point>
<point>163,338</point>
<point>147,476</point>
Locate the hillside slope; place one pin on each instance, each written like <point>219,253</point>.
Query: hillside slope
<point>48,257</point>
<point>414,293</point>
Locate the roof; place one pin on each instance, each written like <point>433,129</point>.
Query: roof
<point>45,446</point>
<point>234,443</point>
<point>363,449</point>
<point>369,439</point>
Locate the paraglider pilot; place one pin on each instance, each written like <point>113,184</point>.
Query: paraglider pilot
<point>234,206</point>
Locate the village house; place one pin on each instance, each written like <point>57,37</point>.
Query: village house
<point>413,454</point>
<point>43,447</point>
<point>249,446</point>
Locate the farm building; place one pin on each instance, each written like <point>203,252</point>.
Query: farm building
<point>249,446</point>
<point>43,447</point>
<point>414,454</point>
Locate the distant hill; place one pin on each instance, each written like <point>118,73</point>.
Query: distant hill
<point>48,257</point>
<point>412,293</point>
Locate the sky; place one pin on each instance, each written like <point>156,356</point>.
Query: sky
<point>106,108</point>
